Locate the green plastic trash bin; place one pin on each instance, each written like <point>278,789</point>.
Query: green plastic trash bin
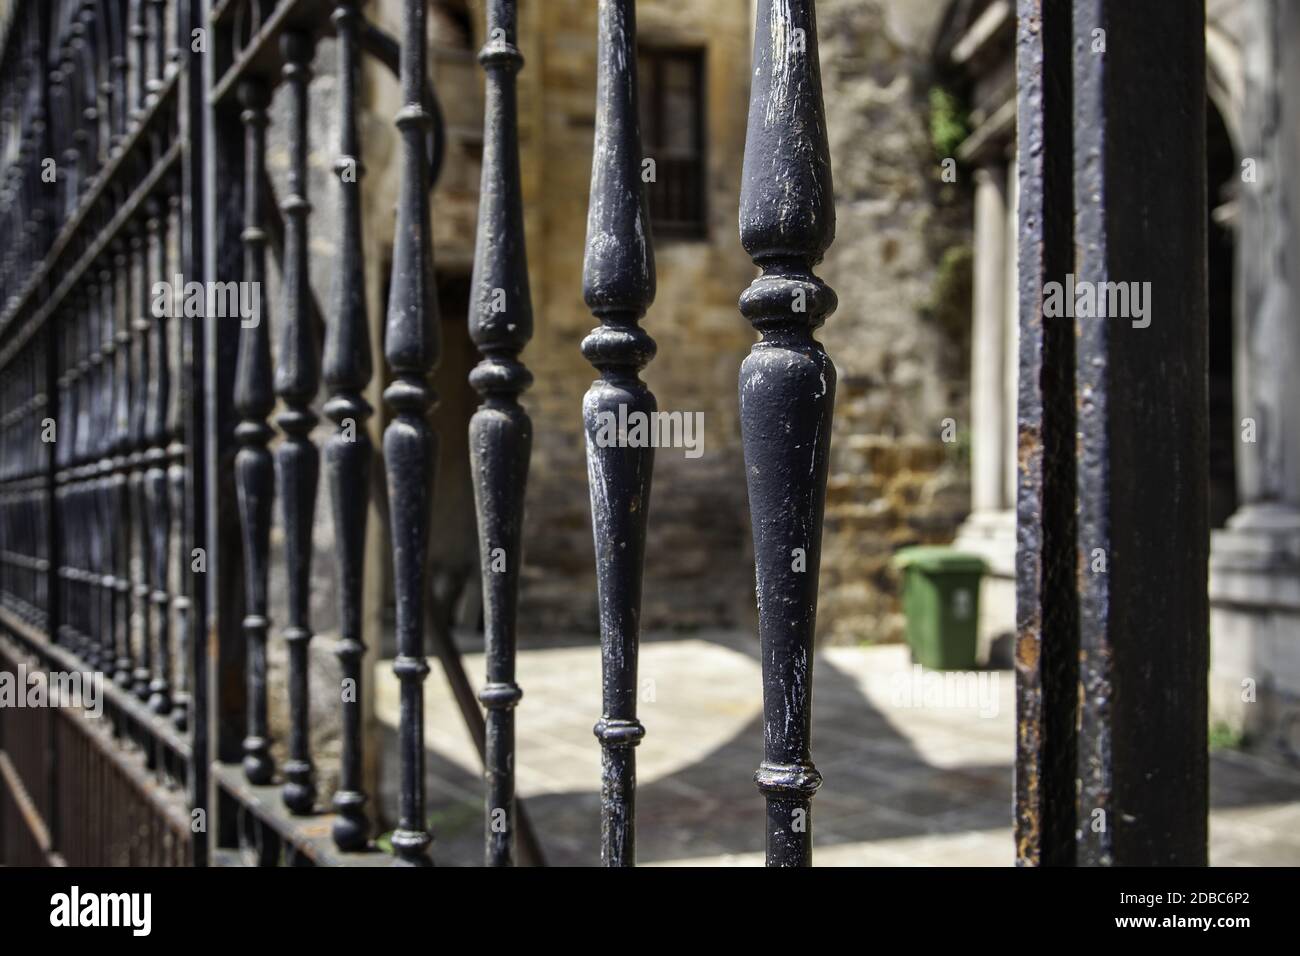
<point>941,597</point>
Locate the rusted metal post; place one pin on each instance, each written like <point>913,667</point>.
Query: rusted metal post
<point>1143,535</point>
<point>1047,613</point>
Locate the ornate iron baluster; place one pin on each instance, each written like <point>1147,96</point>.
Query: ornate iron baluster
<point>118,66</point>
<point>254,400</point>
<point>143,675</point>
<point>158,34</point>
<point>410,446</point>
<point>84,49</point>
<point>177,485</point>
<point>297,379</point>
<point>618,286</point>
<point>100,632</point>
<point>124,368</point>
<point>104,442</point>
<point>500,433</point>
<point>787,392</point>
<point>155,478</point>
<point>70,172</point>
<point>347,369</point>
<point>140,68</point>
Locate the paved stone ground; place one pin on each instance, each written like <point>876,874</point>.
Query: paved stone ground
<point>916,772</point>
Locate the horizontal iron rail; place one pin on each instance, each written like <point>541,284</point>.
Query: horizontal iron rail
<point>38,642</point>
<point>171,804</point>
<point>310,836</point>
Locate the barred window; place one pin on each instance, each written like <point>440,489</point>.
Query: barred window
<point>672,134</point>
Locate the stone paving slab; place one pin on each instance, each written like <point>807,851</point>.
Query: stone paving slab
<point>917,770</point>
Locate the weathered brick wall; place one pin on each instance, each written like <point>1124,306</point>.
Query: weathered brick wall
<point>902,370</point>
<point>698,569</point>
<point>900,354</point>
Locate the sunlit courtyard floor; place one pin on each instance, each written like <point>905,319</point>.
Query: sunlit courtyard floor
<point>916,772</point>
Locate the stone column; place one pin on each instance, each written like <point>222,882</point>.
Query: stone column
<point>1255,560</point>
<point>987,348</point>
<point>990,531</point>
<point>1011,347</point>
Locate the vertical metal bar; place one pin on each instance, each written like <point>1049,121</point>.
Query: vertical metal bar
<point>122,373</point>
<point>180,604</point>
<point>71,173</point>
<point>618,284</point>
<point>179,358</point>
<point>158,36</point>
<point>104,452</point>
<point>87,51</point>
<point>1143,537</point>
<point>1047,613</point>
<point>500,433</point>
<point>787,392</point>
<point>254,477</point>
<point>118,66</point>
<point>191,712</point>
<point>412,348</point>
<point>223,647</point>
<point>155,477</point>
<point>140,66</point>
<point>347,370</point>
<point>45,377</point>
<point>297,379</point>
<point>139,325</point>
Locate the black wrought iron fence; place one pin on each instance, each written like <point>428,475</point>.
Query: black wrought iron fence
<point>144,449</point>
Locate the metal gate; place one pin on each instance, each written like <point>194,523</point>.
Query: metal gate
<point>145,444</point>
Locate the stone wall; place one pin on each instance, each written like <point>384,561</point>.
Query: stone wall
<point>900,337</point>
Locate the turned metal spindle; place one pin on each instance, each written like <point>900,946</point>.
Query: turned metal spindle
<point>73,437</point>
<point>500,432</point>
<point>155,477</point>
<point>104,428</point>
<point>158,36</point>
<point>140,68</point>
<point>297,378</point>
<point>347,370</point>
<point>105,57</point>
<point>121,445</point>
<point>99,631</point>
<point>65,181</point>
<point>74,134</point>
<point>618,286</point>
<point>177,486</point>
<point>254,474</point>
<point>411,348</point>
<point>787,390</point>
<point>119,66</point>
<point>142,677</point>
<point>64,456</point>
<point>103,468</point>
<point>180,604</point>
<point>86,51</point>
